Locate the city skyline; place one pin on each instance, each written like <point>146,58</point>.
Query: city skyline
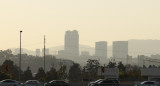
<point>80,42</point>
<point>95,20</point>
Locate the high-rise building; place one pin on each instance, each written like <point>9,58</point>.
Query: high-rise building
<point>120,49</point>
<point>46,51</point>
<point>71,45</point>
<point>38,52</point>
<point>101,49</point>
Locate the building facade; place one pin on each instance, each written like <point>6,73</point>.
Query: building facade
<point>101,49</point>
<point>120,51</point>
<point>71,44</point>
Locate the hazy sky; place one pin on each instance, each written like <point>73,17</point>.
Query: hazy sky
<point>96,20</point>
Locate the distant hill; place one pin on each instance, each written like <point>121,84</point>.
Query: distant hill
<point>54,50</point>
<point>143,47</point>
<point>135,47</point>
<point>15,51</point>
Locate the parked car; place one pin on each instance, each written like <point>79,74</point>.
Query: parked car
<point>90,84</point>
<point>115,80</point>
<point>56,83</point>
<point>9,82</point>
<point>148,83</point>
<point>105,83</point>
<point>32,83</point>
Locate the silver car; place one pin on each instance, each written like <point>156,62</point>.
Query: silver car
<point>91,83</point>
<point>32,83</point>
<point>9,82</point>
<point>148,83</point>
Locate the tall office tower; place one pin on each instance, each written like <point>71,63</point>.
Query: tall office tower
<point>71,43</point>
<point>38,52</point>
<point>101,49</point>
<point>120,51</point>
<point>46,51</point>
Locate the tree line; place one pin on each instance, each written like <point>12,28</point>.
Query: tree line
<point>74,73</point>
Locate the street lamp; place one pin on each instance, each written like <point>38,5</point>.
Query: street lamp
<point>20,59</point>
<point>44,54</point>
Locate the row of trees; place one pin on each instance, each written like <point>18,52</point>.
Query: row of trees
<point>127,72</point>
<point>55,68</point>
<point>12,72</point>
<point>75,73</point>
<point>34,62</point>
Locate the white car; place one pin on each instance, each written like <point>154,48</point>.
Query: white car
<point>9,82</point>
<point>32,83</point>
<point>148,83</point>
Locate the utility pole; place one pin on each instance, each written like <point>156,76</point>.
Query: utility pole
<point>20,59</point>
<point>44,52</point>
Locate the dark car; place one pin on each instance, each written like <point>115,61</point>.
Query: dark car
<point>56,83</point>
<point>115,80</point>
<point>105,83</point>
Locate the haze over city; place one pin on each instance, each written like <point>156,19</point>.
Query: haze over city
<point>80,42</point>
<point>95,20</point>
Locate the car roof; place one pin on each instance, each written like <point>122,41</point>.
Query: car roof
<point>99,79</point>
<point>33,80</point>
<point>57,81</point>
<point>111,79</point>
<point>148,81</point>
<point>107,80</point>
<point>9,80</point>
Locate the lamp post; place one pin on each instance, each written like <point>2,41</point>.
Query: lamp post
<point>44,54</point>
<point>20,59</point>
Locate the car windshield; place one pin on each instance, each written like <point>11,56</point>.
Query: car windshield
<point>106,81</point>
<point>152,82</point>
<point>145,82</point>
<point>98,80</point>
<point>32,82</point>
<point>52,82</point>
<point>57,82</point>
<point>8,81</point>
